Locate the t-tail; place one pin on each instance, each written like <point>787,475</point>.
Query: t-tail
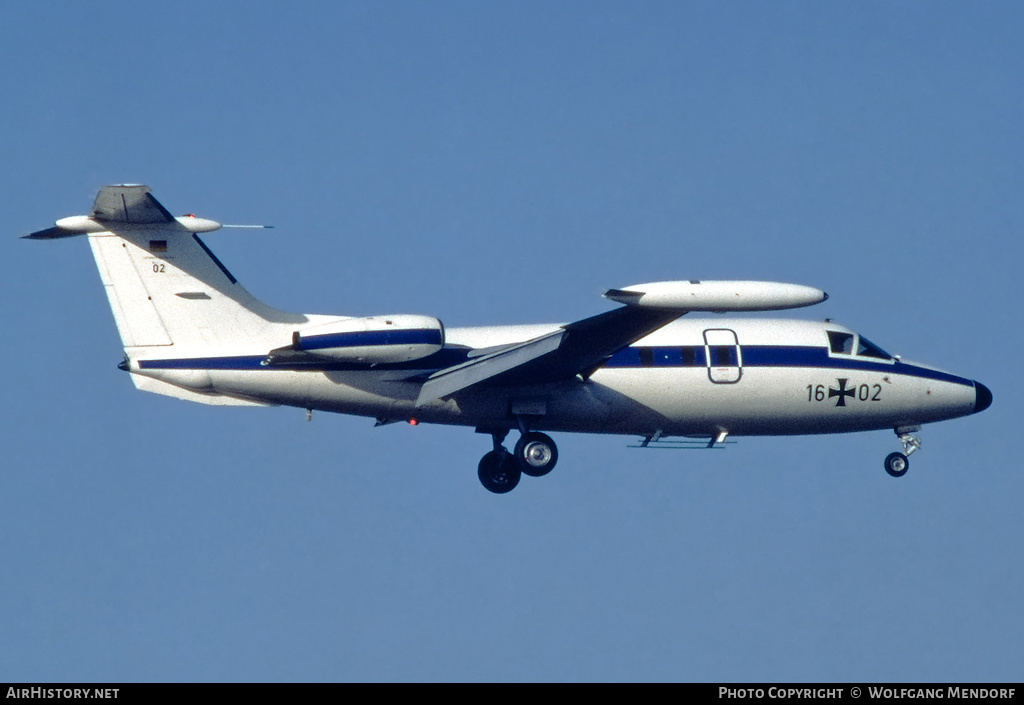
<point>170,295</point>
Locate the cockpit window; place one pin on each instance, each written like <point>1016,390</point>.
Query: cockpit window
<point>868,349</point>
<point>846,343</point>
<point>841,343</point>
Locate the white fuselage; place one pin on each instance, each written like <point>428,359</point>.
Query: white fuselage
<point>694,377</point>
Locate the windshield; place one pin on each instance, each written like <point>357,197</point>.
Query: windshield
<point>868,349</point>
<point>846,343</point>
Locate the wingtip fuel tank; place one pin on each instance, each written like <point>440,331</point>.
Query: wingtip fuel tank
<point>718,296</point>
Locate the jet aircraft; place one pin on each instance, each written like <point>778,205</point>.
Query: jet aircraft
<point>191,331</point>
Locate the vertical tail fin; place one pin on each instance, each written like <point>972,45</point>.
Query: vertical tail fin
<point>165,286</point>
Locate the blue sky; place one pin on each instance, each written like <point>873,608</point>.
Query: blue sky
<point>505,163</point>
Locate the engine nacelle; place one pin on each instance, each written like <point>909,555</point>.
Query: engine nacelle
<point>373,339</point>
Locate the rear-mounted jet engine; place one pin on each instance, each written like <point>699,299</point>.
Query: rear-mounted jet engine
<point>373,339</point>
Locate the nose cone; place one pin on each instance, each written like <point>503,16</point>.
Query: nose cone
<point>982,397</point>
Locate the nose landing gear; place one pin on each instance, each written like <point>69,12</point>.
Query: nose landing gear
<point>535,455</point>
<point>896,464</point>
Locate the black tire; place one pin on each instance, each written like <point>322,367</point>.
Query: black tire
<point>896,464</point>
<point>536,454</point>
<point>498,472</point>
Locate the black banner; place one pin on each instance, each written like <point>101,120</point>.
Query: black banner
<point>846,692</point>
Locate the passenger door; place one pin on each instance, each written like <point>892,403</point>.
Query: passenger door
<point>722,352</point>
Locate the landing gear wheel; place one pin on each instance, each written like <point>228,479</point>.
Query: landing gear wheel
<point>536,454</point>
<point>498,472</point>
<point>896,464</point>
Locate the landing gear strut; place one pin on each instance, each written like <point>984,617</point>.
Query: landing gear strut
<point>896,464</point>
<point>535,455</point>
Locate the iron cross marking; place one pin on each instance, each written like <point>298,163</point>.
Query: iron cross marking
<point>842,392</point>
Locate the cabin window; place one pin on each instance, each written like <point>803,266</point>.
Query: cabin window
<point>646,357</point>
<point>841,343</point>
<point>688,357</point>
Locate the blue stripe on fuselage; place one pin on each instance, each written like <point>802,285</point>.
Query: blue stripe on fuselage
<point>794,356</point>
<point>799,356</point>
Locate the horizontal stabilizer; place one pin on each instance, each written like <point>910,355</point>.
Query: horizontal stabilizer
<point>129,203</point>
<point>51,234</point>
<point>121,205</point>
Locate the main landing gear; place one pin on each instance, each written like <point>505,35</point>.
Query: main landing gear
<point>896,464</point>
<point>535,455</point>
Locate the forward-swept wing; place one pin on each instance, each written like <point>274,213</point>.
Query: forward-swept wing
<point>580,348</point>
